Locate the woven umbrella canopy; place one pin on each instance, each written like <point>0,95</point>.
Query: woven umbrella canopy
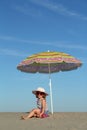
<point>49,62</point>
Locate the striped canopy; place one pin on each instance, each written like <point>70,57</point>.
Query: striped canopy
<point>56,61</point>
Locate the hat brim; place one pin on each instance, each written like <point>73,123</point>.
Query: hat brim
<point>35,92</point>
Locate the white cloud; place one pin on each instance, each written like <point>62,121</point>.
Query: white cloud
<point>7,38</point>
<point>60,44</point>
<point>26,9</point>
<point>35,11</point>
<point>72,46</point>
<point>11,52</point>
<point>58,8</point>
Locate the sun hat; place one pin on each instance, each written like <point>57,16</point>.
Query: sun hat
<point>39,89</point>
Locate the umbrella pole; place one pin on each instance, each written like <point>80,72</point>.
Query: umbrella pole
<point>51,99</point>
<point>50,85</point>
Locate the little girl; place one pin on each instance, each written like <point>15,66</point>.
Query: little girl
<point>42,110</point>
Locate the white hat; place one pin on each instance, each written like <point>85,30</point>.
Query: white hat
<point>39,89</point>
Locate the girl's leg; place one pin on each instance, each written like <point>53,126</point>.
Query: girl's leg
<point>33,113</point>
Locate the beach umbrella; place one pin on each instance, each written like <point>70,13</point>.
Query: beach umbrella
<point>49,62</point>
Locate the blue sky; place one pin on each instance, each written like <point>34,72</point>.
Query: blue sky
<point>33,26</point>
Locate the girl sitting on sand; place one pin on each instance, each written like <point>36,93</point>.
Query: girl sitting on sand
<point>41,111</point>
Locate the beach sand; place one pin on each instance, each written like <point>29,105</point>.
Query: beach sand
<point>57,121</point>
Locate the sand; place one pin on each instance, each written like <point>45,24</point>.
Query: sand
<point>59,121</point>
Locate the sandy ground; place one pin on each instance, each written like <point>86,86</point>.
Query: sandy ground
<point>57,121</point>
